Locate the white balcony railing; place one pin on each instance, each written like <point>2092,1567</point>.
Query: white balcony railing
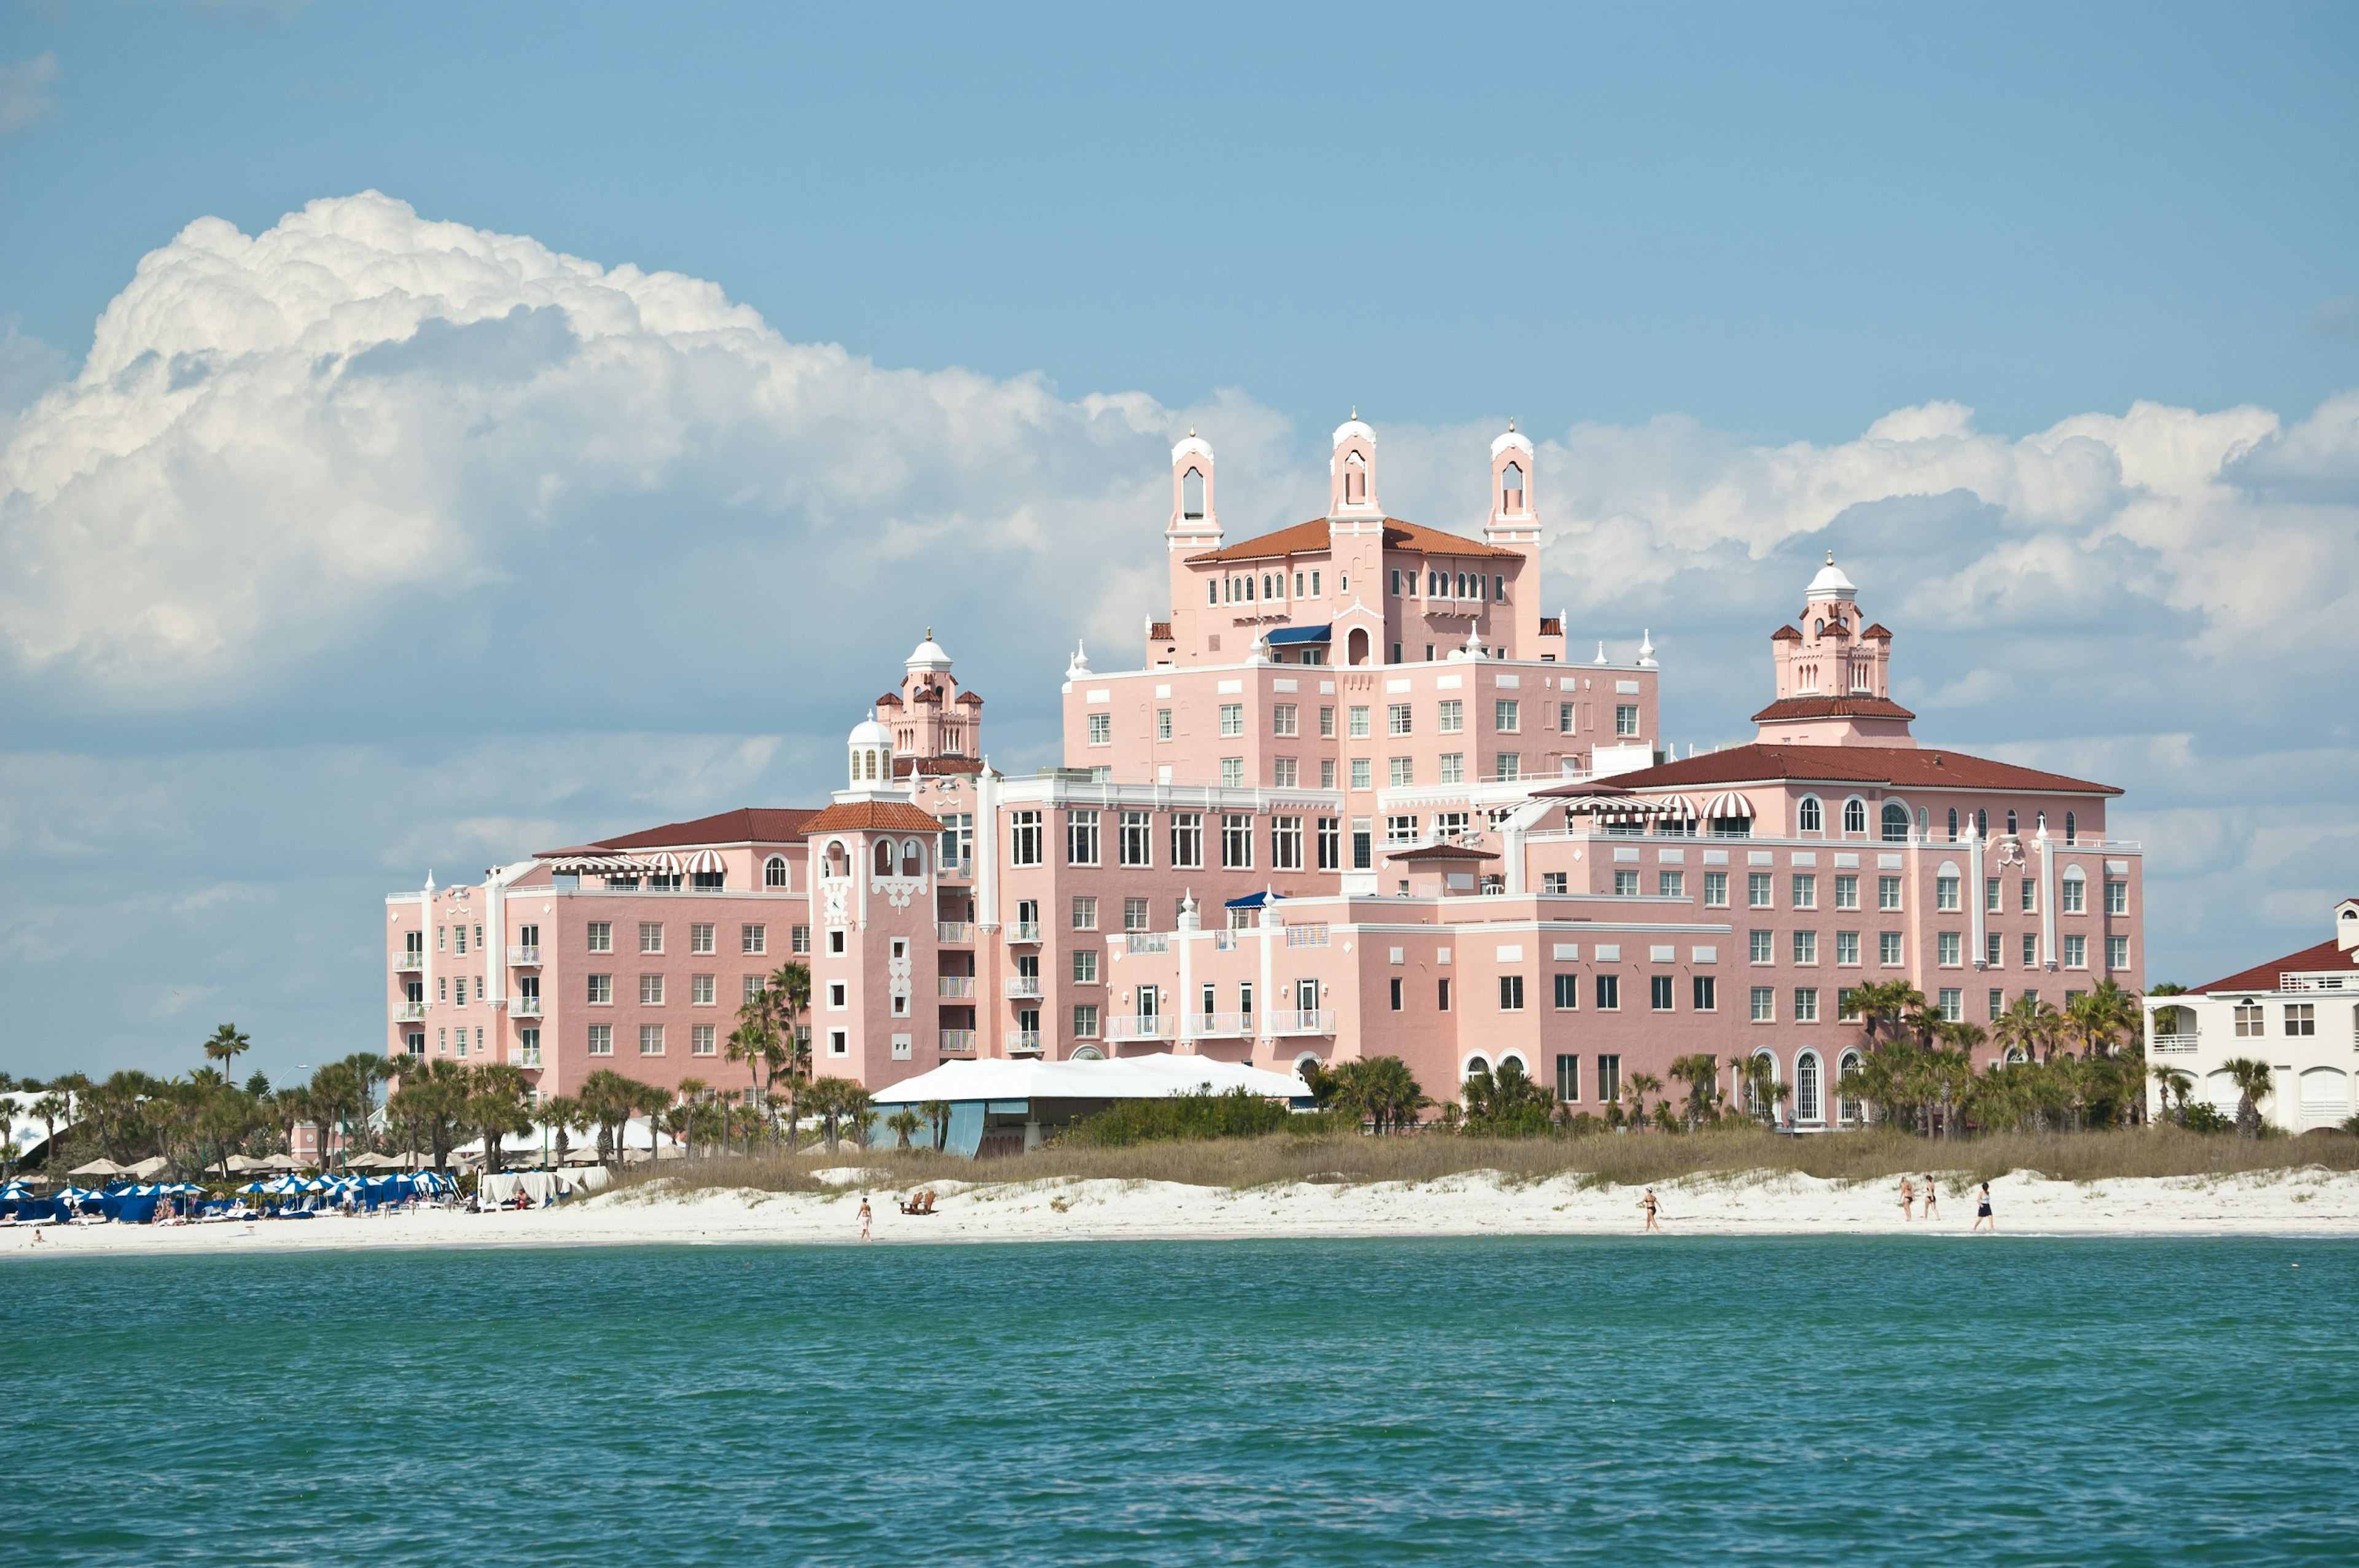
<point>409,1009</point>
<point>524,1007</point>
<point>408,963</point>
<point>526,1056</point>
<point>959,1042</point>
<point>1147,941</point>
<point>1025,1040</point>
<point>1306,936</point>
<point>2174,1044</point>
<point>524,956</point>
<point>954,985</point>
<point>1131,1027</point>
<point>1021,986</point>
<point>2327,980</point>
<point>1320,1020</point>
<point>955,931</point>
<point>1024,931</point>
<point>1219,1025</point>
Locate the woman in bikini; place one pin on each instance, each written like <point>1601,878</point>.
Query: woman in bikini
<point>1931,1193</point>
<point>1649,1207</point>
<point>1983,1212</point>
<point>1908,1199</point>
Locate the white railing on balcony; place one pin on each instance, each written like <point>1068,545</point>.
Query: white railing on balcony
<point>1306,936</point>
<point>524,1006</point>
<point>1320,1021</point>
<point>959,1042</point>
<point>410,1010</point>
<point>1024,931</point>
<point>525,956</point>
<point>527,1056</point>
<point>1219,1025</point>
<point>2173,1044</point>
<point>1131,1027</point>
<point>1024,985</point>
<point>2318,980</point>
<point>1149,941</point>
<point>1025,1040</point>
<point>410,962</point>
<point>955,931</point>
<point>954,985</point>
<point>1225,940</point>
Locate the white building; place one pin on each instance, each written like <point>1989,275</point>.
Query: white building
<point>2298,1013</point>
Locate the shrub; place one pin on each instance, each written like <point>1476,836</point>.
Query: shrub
<point>1237,1113</point>
<point>2197,1116</point>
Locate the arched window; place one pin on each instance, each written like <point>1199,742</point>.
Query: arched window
<point>1088,1054</point>
<point>1511,488</point>
<point>883,857</point>
<point>774,871</point>
<point>1822,626</point>
<point>1752,1103</point>
<point>1982,824</point>
<point>1476,1065</point>
<point>837,861</point>
<point>1355,480</point>
<point>1895,822</point>
<point>1846,1110</point>
<point>912,859</point>
<point>1854,815</point>
<point>1191,494</point>
<point>1356,646</point>
<point>1812,816</point>
<point>2071,829</point>
<point>1953,825</point>
<point>2010,822</point>
<point>2042,820</point>
<point>1806,1087</point>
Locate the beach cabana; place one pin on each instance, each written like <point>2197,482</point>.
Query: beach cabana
<point>1006,1107</point>
<point>99,1167</point>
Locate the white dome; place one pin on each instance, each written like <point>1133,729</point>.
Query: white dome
<point>1351,428</point>
<point>930,654</point>
<point>1521,443</point>
<point>1195,445</point>
<point>1830,583</point>
<point>868,732</point>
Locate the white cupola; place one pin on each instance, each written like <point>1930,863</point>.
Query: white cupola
<point>1830,583</point>
<point>871,750</point>
<point>928,657</point>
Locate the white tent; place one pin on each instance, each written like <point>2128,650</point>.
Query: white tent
<point>1160,1076</point>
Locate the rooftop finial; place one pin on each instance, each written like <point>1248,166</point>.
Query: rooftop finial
<point>1355,411</point>
<point>1191,429</point>
<point>1831,558</point>
<point>929,633</point>
<point>1511,424</point>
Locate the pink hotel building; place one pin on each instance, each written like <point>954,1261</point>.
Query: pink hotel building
<point>1358,800</point>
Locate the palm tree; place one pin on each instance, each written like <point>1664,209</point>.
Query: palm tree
<point>937,1113</point>
<point>1701,1074</point>
<point>1636,1089</point>
<point>691,1091</point>
<point>1762,1089</point>
<point>563,1113</point>
<point>750,1042</point>
<point>790,985</point>
<point>53,1107</point>
<point>493,1106</point>
<point>226,1045</point>
<point>905,1124</point>
<point>2031,1025</point>
<point>2253,1086</point>
<point>2174,1084</point>
<point>1380,1090</point>
<point>1884,1006</point>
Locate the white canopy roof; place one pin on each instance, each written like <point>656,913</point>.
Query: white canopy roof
<point>1159,1076</point>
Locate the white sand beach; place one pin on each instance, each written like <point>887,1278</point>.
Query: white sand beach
<point>2294,1203</point>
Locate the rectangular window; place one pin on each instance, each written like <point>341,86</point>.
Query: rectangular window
<point>1188,840</point>
<point>1080,837</point>
<point>1887,892</point>
<point>1085,1021</point>
<point>1806,946</point>
<point>1659,989</point>
<point>1847,947</point>
<point>1396,993</point>
<point>1670,884</point>
<point>798,938</point>
<point>1163,724</point>
<point>1945,894</point>
<point>2117,898</point>
<point>1554,882</point>
<point>602,990</point>
<point>1453,767</point>
<point>1137,837</point>
<point>1847,892</point>
<point>1757,890</point>
<point>1568,993</point>
<point>1359,724</point>
<point>1609,993</point>
<point>602,1040</point>
<point>1625,721</point>
<point>1511,766</point>
<point>1134,915</point>
<point>2301,1020</point>
<point>1564,718</point>
<point>1946,950</point>
<point>1101,729</point>
<point>2248,1020</point>
<point>1806,890</point>
<point>1609,1079</point>
<point>835,948</point>
<point>699,938</point>
<point>1402,771</point>
<point>1085,913</point>
<point>1232,719</point>
<point>1327,723</point>
<point>651,1039</point>
<point>1442,994</point>
<point>1326,773</point>
<point>1364,848</point>
<point>1993,896</point>
<point>1762,948</point>
<point>1998,1004</point>
<point>1506,716</point>
<point>1715,890</point>
<point>2117,952</point>
<point>602,937</point>
<point>1626,884</point>
<point>1453,715</point>
<point>1085,966</point>
<point>2030,895</point>
<point>1952,1003</point>
<point>1233,772</point>
<point>2076,952</point>
<point>1331,844</point>
<point>1568,1079</point>
<point>1993,949</point>
<point>700,1040</point>
<point>1023,838</point>
<point>2031,949</point>
<point>651,991</point>
<point>1286,843</point>
<point>1887,949</point>
<point>1237,840</point>
<point>462,940</point>
<point>651,937</point>
<point>1707,994</point>
<point>1765,1004</point>
<point>1806,1004</point>
<point>700,990</point>
<point>1362,771</point>
<point>1511,993</point>
<point>1282,719</point>
<point>1284,773</point>
<point>1397,718</point>
<point>753,990</point>
<point>2075,892</point>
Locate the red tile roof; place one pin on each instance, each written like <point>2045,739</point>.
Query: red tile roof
<point>2325,956</point>
<point>1551,625</point>
<point>890,699</point>
<point>1831,708</point>
<point>1441,853</point>
<point>1785,634</point>
<point>872,815</point>
<point>1897,767</point>
<point>1304,538</point>
<point>935,767</point>
<point>1878,630</point>
<point>968,697</point>
<point>1159,631</point>
<point>746,825</point>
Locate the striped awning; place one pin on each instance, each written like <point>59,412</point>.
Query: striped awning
<point>663,862</point>
<point>1729,803</point>
<point>1676,805</point>
<point>704,862</point>
<point>594,864</point>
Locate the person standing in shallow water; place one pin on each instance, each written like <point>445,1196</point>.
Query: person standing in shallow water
<point>1933,1192</point>
<point>1983,1212</point>
<point>1648,1206</point>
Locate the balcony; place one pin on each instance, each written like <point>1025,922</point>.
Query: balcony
<point>524,1007</point>
<point>409,962</point>
<point>525,1056</point>
<point>525,958</point>
<point>1148,941</point>
<point>1219,1025</point>
<point>958,1042</point>
<point>1024,931</point>
<point>2173,1044</point>
<point>409,1009</point>
<point>1025,1040</point>
<point>954,987</point>
<point>2327,980</point>
<point>1022,985</point>
<point>1320,1020</point>
<point>1131,1027</point>
<point>956,932</point>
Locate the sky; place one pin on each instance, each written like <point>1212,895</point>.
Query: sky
<point>435,433</point>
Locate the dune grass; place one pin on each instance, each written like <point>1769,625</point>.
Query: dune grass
<point>1279,1159</point>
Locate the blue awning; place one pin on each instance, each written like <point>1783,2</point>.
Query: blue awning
<point>1284,636</point>
<point>1255,900</point>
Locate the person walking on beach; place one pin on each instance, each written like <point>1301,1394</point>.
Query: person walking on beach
<point>1649,1207</point>
<point>1908,1199</point>
<point>1983,1213</point>
<point>864,1218</point>
<point>1933,1191</point>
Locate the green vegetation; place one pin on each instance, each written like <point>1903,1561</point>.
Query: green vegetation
<point>1235,1113</point>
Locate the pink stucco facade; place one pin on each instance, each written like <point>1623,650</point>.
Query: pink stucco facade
<point>1465,847</point>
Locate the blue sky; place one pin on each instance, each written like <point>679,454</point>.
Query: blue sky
<point>2048,318</point>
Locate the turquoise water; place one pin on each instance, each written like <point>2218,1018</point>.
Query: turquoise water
<point>1782,1401</point>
